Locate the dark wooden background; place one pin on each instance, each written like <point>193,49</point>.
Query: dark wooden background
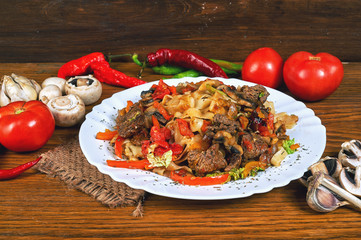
<point>59,30</point>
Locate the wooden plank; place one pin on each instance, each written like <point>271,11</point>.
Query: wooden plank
<point>58,31</point>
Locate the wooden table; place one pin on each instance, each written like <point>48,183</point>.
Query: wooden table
<point>35,206</point>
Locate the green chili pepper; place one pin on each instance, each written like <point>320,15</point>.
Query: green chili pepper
<point>228,65</point>
<point>231,69</point>
<point>136,60</point>
<point>167,69</point>
<point>188,73</point>
<point>229,72</point>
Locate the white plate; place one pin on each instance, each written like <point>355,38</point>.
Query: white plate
<point>309,132</point>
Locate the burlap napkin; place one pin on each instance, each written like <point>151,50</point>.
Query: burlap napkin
<point>68,164</point>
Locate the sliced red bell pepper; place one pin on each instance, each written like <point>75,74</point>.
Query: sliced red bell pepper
<point>270,121</point>
<point>129,104</point>
<point>106,135</point>
<point>248,145</point>
<point>141,164</point>
<point>176,148</point>
<point>184,128</point>
<point>158,133</point>
<point>162,110</point>
<point>199,181</point>
<point>118,146</point>
<point>173,90</point>
<point>155,122</point>
<point>145,147</point>
<point>161,90</point>
<point>205,125</point>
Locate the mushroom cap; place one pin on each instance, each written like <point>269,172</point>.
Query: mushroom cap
<point>67,110</point>
<point>60,82</point>
<point>351,180</point>
<point>48,92</point>
<point>350,154</point>
<point>88,88</point>
<point>328,165</point>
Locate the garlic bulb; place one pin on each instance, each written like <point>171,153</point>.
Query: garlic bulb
<point>18,88</point>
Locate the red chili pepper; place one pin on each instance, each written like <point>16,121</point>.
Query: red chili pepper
<point>141,164</point>
<point>80,66</point>
<point>184,128</point>
<point>96,64</point>
<point>198,181</point>
<point>105,74</point>
<point>14,172</point>
<point>185,59</point>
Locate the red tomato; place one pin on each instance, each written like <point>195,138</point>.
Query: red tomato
<point>312,77</point>
<point>263,66</point>
<point>25,126</point>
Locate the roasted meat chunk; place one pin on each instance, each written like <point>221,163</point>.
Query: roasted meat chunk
<point>131,122</point>
<point>203,162</point>
<point>235,161</point>
<point>222,123</point>
<point>253,146</point>
<point>254,94</point>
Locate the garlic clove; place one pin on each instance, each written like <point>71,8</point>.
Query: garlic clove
<point>49,92</point>
<point>320,198</point>
<point>4,99</point>
<point>35,85</point>
<point>28,92</point>
<point>342,197</point>
<point>12,89</point>
<point>67,110</point>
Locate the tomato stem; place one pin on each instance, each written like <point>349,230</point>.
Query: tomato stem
<point>20,110</point>
<point>314,58</point>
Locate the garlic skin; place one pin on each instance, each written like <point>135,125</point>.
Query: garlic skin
<point>18,88</point>
<point>88,88</point>
<point>4,99</point>
<point>49,92</point>
<point>27,81</point>
<point>67,110</point>
<point>60,82</point>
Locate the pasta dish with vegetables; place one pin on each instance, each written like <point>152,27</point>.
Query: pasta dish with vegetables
<point>202,133</point>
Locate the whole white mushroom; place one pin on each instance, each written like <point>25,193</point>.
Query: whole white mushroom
<point>48,92</point>
<point>88,88</point>
<point>67,110</point>
<point>60,82</point>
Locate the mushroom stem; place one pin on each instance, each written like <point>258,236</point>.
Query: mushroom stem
<point>327,183</point>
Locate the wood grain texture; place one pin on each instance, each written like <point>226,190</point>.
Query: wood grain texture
<point>58,31</point>
<point>35,206</point>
